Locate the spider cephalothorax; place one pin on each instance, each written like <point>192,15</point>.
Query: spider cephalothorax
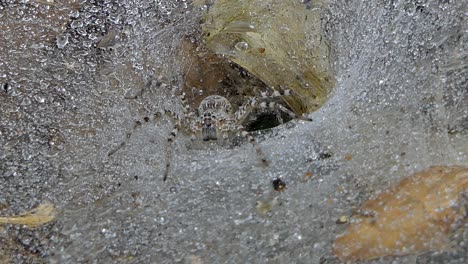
<point>214,111</point>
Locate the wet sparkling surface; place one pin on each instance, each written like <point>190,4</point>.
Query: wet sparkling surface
<point>75,77</point>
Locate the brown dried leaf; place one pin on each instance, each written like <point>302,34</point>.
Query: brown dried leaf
<point>414,216</point>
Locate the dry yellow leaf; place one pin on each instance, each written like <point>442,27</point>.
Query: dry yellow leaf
<point>38,216</point>
<point>412,217</point>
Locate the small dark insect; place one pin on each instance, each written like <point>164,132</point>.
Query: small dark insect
<point>6,87</point>
<point>279,185</point>
<point>325,155</point>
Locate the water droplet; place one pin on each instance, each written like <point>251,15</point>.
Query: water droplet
<point>26,101</point>
<point>62,41</point>
<point>74,14</point>
<point>39,99</point>
<point>239,27</point>
<point>76,24</point>
<point>241,46</point>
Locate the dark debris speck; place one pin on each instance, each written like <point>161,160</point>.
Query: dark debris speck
<point>279,185</point>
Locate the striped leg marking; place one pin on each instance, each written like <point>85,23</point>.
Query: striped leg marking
<point>169,150</point>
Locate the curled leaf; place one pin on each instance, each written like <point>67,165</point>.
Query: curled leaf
<point>42,214</point>
<point>279,42</point>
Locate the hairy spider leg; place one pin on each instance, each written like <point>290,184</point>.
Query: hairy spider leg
<point>139,123</point>
<point>234,125</point>
<point>193,128</point>
<point>278,107</point>
<point>170,149</point>
<point>179,123</point>
<point>254,143</point>
<point>129,134</point>
<point>272,93</point>
<point>224,128</point>
<point>259,102</point>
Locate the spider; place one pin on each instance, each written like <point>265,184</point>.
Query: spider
<point>229,101</point>
<point>214,119</point>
